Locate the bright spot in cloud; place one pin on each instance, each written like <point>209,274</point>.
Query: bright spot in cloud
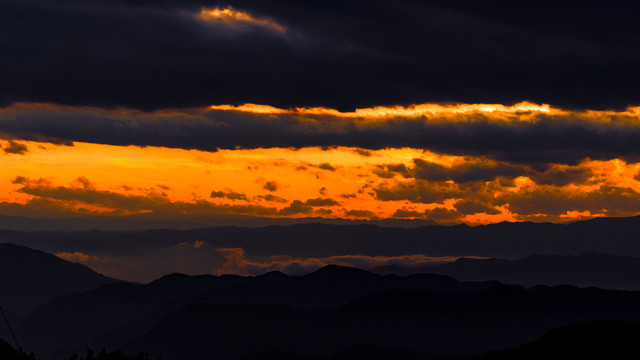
<point>233,17</point>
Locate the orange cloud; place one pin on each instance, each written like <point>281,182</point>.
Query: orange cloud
<point>233,17</point>
<point>14,147</point>
<point>271,186</point>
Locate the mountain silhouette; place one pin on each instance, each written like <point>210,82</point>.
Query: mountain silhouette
<point>586,269</point>
<point>117,313</point>
<point>139,222</point>
<point>502,240</point>
<point>417,320</point>
<point>360,351</point>
<point>75,319</point>
<point>8,352</point>
<point>605,339</point>
<point>29,278</point>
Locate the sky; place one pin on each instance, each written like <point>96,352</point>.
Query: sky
<point>449,111</point>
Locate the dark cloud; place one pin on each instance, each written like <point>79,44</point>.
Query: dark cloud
<point>271,186</point>
<point>15,148</point>
<point>439,214</point>
<point>324,212</point>
<point>473,170</point>
<point>48,198</point>
<point>442,214</point>
<point>388,171</point>
<point>533,138</point>
<point>231,195</point>
<point>150,54</point>
<point>549,202</point>
<point>420,191</point>
<point>322,202</point>
<point>556,202</point>
<point>404,213</point>
<point>482,170</point>
<point>559,176</point>
<point>470,207</point>
<point>327,166</point>
<point>270,197</point>
<point>362,152</point>
<point>307,207</point>
<point>297,207</point>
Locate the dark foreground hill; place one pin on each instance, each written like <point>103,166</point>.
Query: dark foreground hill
<point>71,321</point>
<point>586,269</point>
<point>598,340</point>
<point>604,339</point>
<point>117,313</point>
<point>415,320</point>
<point>29,278</point>
<point>319,315</point>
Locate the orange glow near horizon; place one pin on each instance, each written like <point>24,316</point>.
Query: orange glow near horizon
<point>43,179</point>
<point>167,176</point>
<point>189,175</point>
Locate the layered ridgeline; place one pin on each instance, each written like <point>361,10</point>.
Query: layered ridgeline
<point>59,308</point>
<point>115,314</point>
<point>319,315</point>
<point>506,240</point>
<point>585,269</point>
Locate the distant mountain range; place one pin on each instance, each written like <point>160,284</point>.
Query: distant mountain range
<point>507,240</point>
<point>586,269</point>
<point>144,222</point>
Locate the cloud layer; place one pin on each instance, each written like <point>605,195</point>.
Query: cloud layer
<point>524,133</point>
<point>236,262</point>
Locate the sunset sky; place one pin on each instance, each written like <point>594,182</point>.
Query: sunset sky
<point>433,110</point>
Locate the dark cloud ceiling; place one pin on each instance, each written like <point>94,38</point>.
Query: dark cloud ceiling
<point>534,138</point>
<point>339,54</point>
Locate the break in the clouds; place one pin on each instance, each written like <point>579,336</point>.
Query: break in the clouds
<point>523,133</point>
<point>339,54</point>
